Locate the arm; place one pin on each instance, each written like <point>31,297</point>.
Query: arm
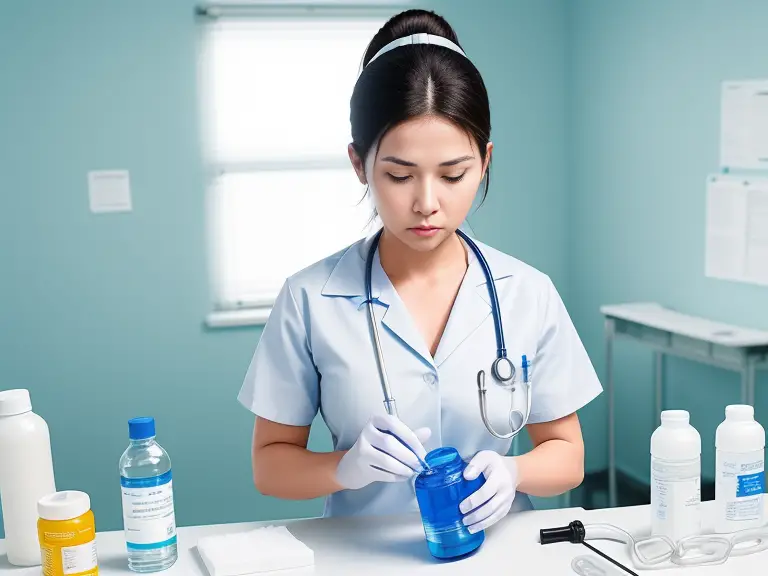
<point>385,451</point>
<point>556,463</point>
<point>284,468</point>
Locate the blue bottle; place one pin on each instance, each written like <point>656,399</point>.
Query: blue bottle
<point>148,511</point>
<point>439,491</point>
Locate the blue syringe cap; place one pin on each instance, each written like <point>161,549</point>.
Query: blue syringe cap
<point>141,428</point>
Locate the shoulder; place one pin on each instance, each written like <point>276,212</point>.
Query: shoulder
<point>504,266</point>
<point>340,273</point>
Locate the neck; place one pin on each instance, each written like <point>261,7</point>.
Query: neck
<point>401,262</point>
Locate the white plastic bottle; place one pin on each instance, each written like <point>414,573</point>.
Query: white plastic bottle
<point>740,472</point>
<point>26,474</point>
<point>675,477</point>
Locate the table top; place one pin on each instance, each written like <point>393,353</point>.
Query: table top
<point>386,545</point>
<point>656,316</point>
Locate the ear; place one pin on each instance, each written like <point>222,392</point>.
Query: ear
<point>357,164</point>
<point>488,152</point>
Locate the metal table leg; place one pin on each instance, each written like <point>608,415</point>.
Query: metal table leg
<point>750,377</point>
<point>744,378</point>
<point>612,488</point>
<point>658,388</point>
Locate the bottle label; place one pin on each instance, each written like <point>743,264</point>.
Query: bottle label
<point>675,507</point>
<point>740,485</point>
<point>148,514</point>
<point>79,559</point>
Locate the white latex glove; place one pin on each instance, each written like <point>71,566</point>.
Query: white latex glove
<point>378,456</point>
<point>491,502</point>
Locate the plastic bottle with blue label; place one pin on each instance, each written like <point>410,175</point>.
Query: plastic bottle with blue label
<point>148,513</point>
<point>740,470</point>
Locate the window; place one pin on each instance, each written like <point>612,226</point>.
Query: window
<point>282,193</point>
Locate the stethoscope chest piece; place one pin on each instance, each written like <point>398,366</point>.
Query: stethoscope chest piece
<point>503,372</point>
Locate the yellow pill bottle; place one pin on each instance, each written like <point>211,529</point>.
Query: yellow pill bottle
<point>67,532</point>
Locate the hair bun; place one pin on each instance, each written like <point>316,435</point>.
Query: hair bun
<point>409,22</point>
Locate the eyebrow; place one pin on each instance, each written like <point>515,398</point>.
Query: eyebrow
<point>402,162</point>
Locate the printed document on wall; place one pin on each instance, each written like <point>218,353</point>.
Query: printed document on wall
<point>737,229</point>
<point>744,124</point>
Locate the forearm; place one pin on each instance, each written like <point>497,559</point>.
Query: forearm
<point>551,468</point>
<point>291,472</point>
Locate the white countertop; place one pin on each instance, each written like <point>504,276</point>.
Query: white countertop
<point>395,545</point>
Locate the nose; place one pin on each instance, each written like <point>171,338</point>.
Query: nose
<point>426,201</point>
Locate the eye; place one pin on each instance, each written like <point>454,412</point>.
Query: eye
<point>455,179</point>
<point>398,179</point>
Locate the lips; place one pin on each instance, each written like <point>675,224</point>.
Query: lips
<point>425,230</point>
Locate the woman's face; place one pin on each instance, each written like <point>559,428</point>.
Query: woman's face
<point>423,178</point>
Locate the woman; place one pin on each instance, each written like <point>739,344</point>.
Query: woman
<point>421,143</point>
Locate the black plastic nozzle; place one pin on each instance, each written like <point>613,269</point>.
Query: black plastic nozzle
<point>573,533</point>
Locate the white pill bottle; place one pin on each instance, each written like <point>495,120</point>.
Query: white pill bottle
<point>739,470</point>
<point>675,477</point>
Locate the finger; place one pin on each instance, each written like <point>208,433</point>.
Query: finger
<point>399,429</point>
<point>387,443</point>
<point>483,512</point>
<point>383,475</point>
<point>423,434</point>
<point>480,496</point>
<point>380,460</point>
<point>488,522</point>
<point>479,463</point>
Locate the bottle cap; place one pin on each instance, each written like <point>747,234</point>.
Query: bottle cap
<point>674,417</point>
<point>64,505</point>
<point>675,439</point>
<point>740,412</point>
<point>13,402</point>
<point>141,428</point>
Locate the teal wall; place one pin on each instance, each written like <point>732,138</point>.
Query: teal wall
<point>101,317</point>
<point>644,81</point>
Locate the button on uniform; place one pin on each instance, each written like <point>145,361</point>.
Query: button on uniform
<point>430,379</point>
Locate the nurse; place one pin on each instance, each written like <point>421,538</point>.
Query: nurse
<point>421,143</point>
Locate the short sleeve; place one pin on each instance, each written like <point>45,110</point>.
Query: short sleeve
<point>282,383</point>
<point>563,378</point>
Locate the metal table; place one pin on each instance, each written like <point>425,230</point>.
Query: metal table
<point>667,332</point>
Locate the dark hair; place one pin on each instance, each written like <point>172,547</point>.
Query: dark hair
<point>418,80</point>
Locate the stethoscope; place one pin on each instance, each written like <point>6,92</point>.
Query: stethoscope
<point>502,369</point>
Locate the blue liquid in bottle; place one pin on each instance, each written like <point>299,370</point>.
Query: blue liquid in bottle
<point>439,491</point>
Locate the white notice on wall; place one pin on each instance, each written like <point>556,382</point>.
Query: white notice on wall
<point>744,124</point>
<point>737,229</point>
<point>109,191</point>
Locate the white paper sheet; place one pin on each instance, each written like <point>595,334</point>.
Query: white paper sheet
<point>744,124</point>
<point>737,229</point>
<point>109,191</point>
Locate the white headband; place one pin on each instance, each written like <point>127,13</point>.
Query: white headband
<point>421,38</point>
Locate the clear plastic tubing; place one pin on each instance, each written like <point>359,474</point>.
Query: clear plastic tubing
<point>439,491</point>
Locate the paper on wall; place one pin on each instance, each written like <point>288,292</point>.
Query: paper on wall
<point>737,229</point>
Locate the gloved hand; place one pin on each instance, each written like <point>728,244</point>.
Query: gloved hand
<point>378,456</point>
<point>491,502</point>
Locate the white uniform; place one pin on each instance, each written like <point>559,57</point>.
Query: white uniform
<point>316,353</point>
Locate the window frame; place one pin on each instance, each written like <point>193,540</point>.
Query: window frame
<point>255,312</point>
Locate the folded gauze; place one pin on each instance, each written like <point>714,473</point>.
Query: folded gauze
<point>254,552</point>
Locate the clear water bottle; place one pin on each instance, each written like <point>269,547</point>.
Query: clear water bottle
<point>148,514</point>
<point>439,492</point>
